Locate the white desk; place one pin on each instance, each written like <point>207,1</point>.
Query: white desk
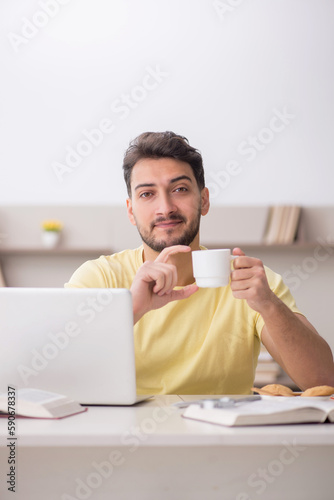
<point>150,452</point>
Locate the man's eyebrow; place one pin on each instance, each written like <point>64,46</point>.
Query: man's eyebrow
<point>176,179</point>
<point>180,178</point>
<point>144,185</point>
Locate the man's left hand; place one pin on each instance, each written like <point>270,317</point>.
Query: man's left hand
<point>249,281</point>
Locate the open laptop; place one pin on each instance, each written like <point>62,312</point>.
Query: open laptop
<point>76,342</point>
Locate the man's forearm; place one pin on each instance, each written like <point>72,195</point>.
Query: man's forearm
<point>303,354</point>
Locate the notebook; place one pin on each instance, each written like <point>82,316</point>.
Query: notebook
<point>75,342</point>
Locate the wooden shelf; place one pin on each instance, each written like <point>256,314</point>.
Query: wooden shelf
<point>263,246</point>
<point>108,251</point>
<point>54,251</point>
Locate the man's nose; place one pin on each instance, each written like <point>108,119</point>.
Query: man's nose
<point>165,206</point>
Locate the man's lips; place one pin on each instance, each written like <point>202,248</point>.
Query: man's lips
<point>168,224</point>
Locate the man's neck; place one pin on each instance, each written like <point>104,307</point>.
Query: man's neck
<point>182,261</point>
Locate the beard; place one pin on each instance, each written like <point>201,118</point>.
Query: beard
<point>184,239</point>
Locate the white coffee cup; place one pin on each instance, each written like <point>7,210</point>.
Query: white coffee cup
<point>212,268</point>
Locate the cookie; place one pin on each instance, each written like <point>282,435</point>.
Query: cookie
<point>320,390</point>
<point>274,390</point>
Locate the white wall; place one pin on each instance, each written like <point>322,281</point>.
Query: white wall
<point>222,74</point>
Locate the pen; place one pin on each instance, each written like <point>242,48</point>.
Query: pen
<point>224,402</point>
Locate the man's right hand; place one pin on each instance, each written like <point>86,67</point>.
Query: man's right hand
<point>153,284</point>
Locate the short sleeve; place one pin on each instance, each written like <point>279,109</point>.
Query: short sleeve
<point>91,274</point>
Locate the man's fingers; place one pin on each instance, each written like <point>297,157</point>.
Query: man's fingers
<point>237,286</point>
<point>168,251</point>
<point>237,251</point>
<point>164,276</point>
<point>165,281</point>
<point>242,274</point>
<point>184,293</point>
<point>242,262</point>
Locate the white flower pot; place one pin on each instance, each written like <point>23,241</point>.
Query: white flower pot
<point>50,239</point>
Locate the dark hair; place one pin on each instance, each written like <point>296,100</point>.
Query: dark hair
<point>162,145</point>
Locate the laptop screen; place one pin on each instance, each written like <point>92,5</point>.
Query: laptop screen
<point>76,342</point>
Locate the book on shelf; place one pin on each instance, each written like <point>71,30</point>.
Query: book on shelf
<point>37,404</point>
<point>270,410</point>
<point>273,225</point>
<point>291,223</point>
<point>282,225</point>
<point>267,375</point>
<point>267,370</point>
<point>2,278</point>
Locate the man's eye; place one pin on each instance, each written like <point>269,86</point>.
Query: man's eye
<point>181,189</point>
<point>145,195</point>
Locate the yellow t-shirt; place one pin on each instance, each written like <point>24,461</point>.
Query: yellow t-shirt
<point>206,344</point>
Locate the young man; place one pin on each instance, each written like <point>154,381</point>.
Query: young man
<point>209,342</point>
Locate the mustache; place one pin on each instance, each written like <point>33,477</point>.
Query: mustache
<point>172,217</point>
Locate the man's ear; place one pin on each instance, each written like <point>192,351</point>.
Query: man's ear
<point>130,212</point>
<point>205,201</point>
